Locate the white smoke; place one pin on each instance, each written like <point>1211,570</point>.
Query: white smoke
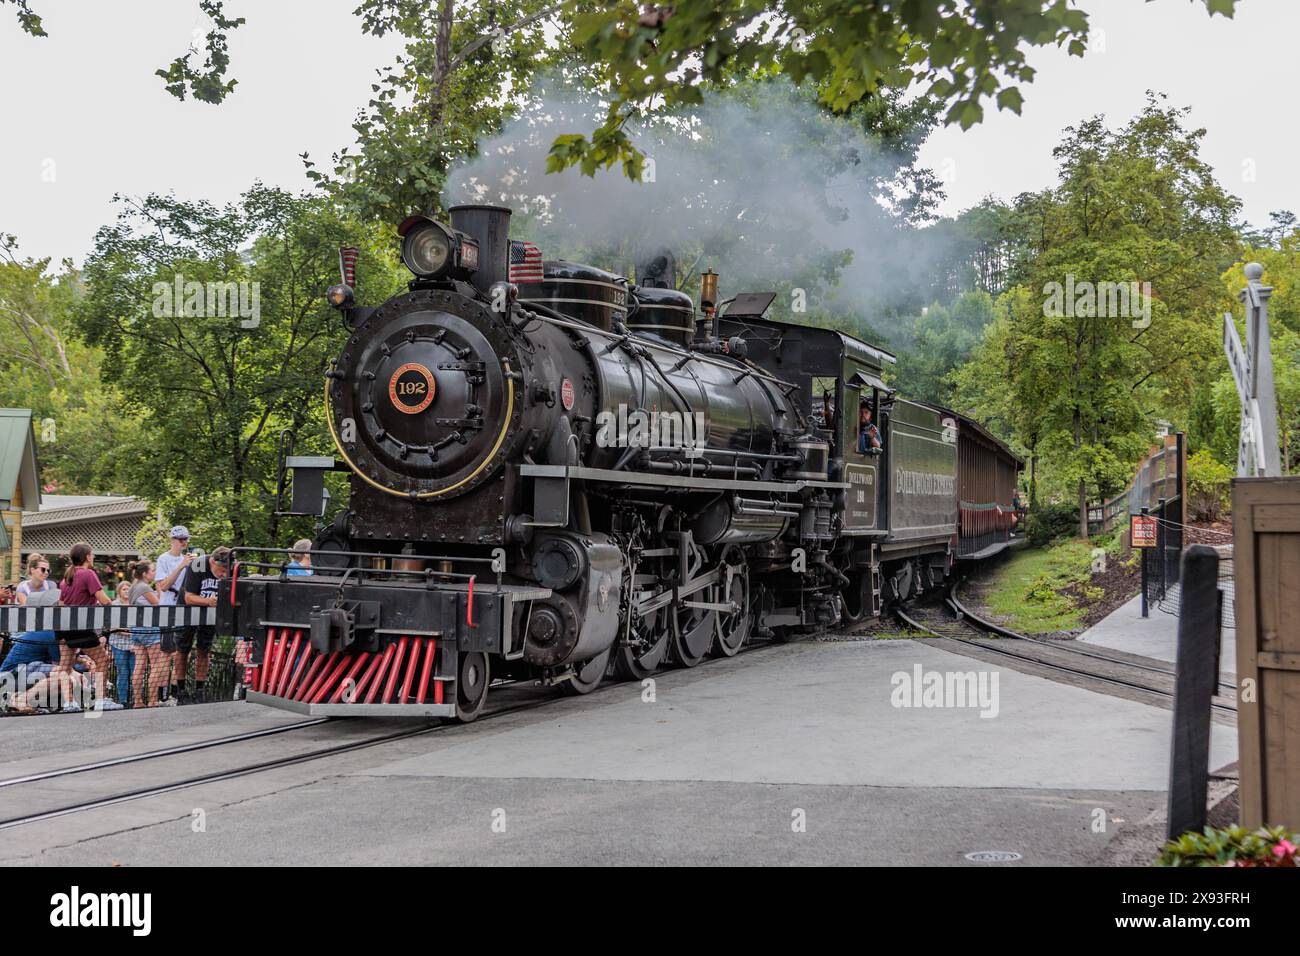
<point>759,184</point>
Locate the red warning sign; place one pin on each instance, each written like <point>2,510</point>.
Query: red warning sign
<point>1142,531</point>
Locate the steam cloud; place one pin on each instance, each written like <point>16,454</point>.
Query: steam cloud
<point>759,184</point>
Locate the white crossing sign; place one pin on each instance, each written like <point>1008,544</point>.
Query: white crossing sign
<point>1258,453</point>
<point>1237,362</point>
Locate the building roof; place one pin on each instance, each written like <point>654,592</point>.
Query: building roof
<point>110,523</point>
<point>19,467</point>
<point>72,509</point>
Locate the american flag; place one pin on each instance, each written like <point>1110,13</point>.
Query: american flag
<point>525,262</point>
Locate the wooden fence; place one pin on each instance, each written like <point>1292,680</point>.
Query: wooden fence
<point>1266,538</point>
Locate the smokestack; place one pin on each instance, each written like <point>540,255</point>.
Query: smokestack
<point>490,227</point>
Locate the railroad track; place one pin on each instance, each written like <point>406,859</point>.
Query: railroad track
<point>962,611</point>
<point>241,771</point>
<point>161,752</point>
<point>263,766</point>
<point>963,627</point>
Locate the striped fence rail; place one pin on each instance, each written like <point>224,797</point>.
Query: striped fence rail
<point>14,619</point>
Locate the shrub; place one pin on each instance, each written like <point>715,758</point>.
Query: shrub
<point>1233,846</point>
<point>1209,483</point>
<point>1046,523</point>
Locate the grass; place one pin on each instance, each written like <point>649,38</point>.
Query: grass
<point>1027,591</point>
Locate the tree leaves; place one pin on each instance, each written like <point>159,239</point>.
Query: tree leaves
<point>454,84</point>
<point>211,389</point>
<point>955,52</point>
<point>206,83</point>
<point>1080,374</point>
<point>27,20</point>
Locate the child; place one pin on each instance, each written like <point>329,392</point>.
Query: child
<point>119,641</point>
<point>147,642</point>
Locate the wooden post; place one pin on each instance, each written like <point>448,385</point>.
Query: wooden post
<point>17,568</point>
<point>1196,676</point>
<point>11,561</point>
<point>1266,560</point>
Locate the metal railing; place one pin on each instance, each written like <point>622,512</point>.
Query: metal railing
<point>1158,476</point>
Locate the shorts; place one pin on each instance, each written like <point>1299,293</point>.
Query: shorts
<point>145,636</point>
<point>184,639</point>
<point>80,640</point>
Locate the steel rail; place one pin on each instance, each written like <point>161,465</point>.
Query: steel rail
<point>260,767</point>
<point>1051,665</point>
<point>984,624</point>
<point>287,761</point>
<point>162,752</point>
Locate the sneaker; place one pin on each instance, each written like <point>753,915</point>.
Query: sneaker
<point>70,707</point>
<point>169,702</point>
<point>104,703</point>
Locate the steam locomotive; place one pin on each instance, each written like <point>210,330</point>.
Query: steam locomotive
<point>572,476</point>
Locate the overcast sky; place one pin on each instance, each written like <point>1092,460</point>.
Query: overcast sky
<point>86,117</point>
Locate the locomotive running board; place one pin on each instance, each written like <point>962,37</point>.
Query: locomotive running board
<point>694,482</point>
<point>352,710</point>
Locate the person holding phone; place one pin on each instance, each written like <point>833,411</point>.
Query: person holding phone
<point>169,574</point>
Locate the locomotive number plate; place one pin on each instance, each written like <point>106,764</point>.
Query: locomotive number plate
<point>411,388</point>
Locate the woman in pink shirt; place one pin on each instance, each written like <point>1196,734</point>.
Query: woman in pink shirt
<point>81,588</point>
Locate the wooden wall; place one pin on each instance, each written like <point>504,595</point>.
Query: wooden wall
<point>1266,538</point>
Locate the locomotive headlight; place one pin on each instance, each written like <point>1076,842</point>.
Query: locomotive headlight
<point>427,249</point>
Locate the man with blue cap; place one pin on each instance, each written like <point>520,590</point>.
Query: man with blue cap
<point>169,574</point>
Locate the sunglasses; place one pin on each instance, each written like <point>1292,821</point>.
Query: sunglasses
<point>46,570</point>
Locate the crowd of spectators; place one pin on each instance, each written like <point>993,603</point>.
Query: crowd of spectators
<point>68,671</point>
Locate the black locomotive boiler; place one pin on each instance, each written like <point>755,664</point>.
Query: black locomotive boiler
<point>575,477</point>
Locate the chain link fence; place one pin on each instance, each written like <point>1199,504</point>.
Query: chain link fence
<point>1164,587</point>
<point>128,674</point>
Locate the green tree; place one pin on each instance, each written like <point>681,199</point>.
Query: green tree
<point>943,338</point>
<point>959,53</point>
<point>466,67</point>
<point>1136,204</point>
<point>1005,388</point>
<point>215,385</point>
<point>80,421</point>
